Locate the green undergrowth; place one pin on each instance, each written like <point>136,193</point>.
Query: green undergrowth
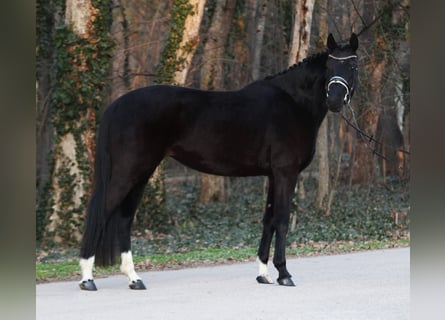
<point>69,270</point>
<point>360,219</point>
<point>356,215</point>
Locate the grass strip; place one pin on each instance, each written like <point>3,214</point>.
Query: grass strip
<point>69,270</point>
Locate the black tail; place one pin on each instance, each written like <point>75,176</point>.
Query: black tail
<point>100,237</point>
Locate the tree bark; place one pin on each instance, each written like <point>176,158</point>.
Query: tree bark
<point>302,30</point>
<point>391,121</point>
<point>44,130</point>
<point>190,40</point>
<point>212,78</point>
<point>259,37</point>
<point>363,163</point>
<point>322,139</point>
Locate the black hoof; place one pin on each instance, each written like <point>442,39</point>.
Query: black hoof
<point>137,285</point>
<point>88,285</point>
<point>286,282</point>
<point>263,280</point>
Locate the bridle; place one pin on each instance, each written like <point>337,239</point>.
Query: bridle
<point>341,81</point>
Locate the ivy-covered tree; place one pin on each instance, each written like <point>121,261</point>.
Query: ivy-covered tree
<point>44,130</point>
<point>82,49</point>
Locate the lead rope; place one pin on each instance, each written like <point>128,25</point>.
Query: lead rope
<point>369,138</point>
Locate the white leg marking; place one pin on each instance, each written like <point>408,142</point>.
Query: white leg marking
<point>263,270</point>
<point>127,266</point>
<point>86,266</point>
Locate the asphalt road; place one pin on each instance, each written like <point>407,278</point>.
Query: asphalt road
<point>365,285</point>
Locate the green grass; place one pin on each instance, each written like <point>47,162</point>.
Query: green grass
<point>65,270</point>
<point>52,271</point>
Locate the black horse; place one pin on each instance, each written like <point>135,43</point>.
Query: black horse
<point>267,128</point>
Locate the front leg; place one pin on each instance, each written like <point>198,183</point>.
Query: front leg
<point>284,186</point>
<point>266,238</point>
<point>279,259</point>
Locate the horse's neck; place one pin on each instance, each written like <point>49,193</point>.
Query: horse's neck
<point>305,83</point>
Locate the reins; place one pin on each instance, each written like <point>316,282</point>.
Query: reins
<point>369,138</point>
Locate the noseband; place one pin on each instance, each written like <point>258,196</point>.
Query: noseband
<point>340,80</point>
<point>344,83</point>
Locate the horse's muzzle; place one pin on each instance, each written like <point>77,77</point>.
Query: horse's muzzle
<point>335,104</point>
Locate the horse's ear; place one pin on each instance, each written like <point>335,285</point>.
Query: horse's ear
<point>353,42</point>
<point>331,42</point>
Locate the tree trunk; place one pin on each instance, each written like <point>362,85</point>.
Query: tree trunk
<point>322,139</point>
<point>44,130</point>
<point>120,73</point>
<point>259,37</point>
<point>77,96</point>
<point>369,111</point>
<point>212,78</point>
<point>302,30</point>
<point>391,120</point>
<point>190,40</point>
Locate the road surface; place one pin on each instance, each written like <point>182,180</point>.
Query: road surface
<point>365,285</point>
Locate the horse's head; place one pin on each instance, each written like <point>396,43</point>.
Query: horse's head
<point>341,72</point>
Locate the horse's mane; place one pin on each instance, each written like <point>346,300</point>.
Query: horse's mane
<point>308,59</point>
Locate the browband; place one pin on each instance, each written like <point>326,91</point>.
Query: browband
<point>342,58</point>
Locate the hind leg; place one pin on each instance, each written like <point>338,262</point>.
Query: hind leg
<point>87,254</point>
<point>124,208</point>
<point>121,201</point>
<point>87,282</point>
<point>128,210</point>
<point>90,238</point>
<point>118,189</point>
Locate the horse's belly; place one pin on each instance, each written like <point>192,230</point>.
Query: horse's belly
<point>221,162</point>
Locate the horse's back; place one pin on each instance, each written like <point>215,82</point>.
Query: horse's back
<point>154,102</point>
